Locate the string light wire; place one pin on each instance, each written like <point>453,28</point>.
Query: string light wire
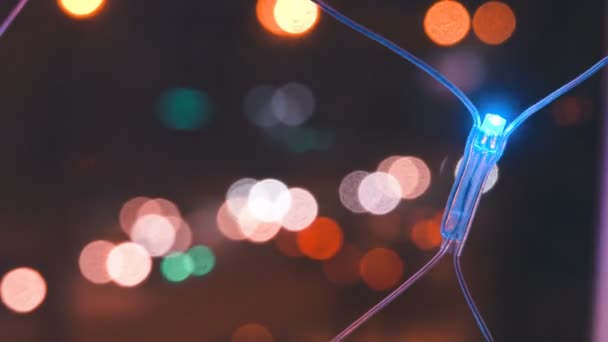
<point>405,54</point>
<point>11,17</point>
<point>485,146</point>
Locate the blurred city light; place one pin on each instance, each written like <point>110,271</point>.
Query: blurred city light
<point>156,224</point>
<point>184,109</point>
<point>321,240</point>
<point>129,213</point>
<point>426,233</point>
<point>379,193</point>
<point>343,268</point>
<point>228,224</point>
<point>159,206</point>
<point>349,191</point>
<point>494,22</point>
<point>490,182</point>
<point>286,18</point>
<point>447,22</point>
<point>381,268</point>
<point>293,104</point>
<point>203,260</point>
<point>247,223</point>
<point>129,264</point>
<point>252,332</point>
<point>386,164</point>
<point>413,176</point>
<point>296,17</point>
<point>303,210</point>
<point>255,230</point>
<point>92,261</point>
<point>136,208</point>
<point>290,105</point>
<point>269,200</point>
<point>80,9</point>
<point>183,234</point>
<point>238,194</point>
<point>23,290</point>
<point>176,267</point>
<point>257,104</point>
<point>265,13</point>
<point>155,233</point>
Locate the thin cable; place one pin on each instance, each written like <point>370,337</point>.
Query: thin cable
<point>14,13</point>
<point>467,296</point>
<point>405,54</point>
<point>396,293</point>
<point>554,95</point>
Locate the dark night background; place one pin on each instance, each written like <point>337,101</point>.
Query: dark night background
<point>80,136</point>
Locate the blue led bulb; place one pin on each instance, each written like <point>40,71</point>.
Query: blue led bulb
<point>490,133</point>
<point>493,124</point>
<point>483,150</point>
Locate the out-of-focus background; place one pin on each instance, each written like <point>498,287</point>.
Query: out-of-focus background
<point>255,171</point>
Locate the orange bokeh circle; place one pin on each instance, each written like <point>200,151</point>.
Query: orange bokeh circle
<point>381,268</point>
<point>447,22</point>
<point>321,240</point>
<point>287,17</point>
<point>494,22</point>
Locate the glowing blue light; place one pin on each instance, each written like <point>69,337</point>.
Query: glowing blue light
<point>493,124</point>
<point>498,101</point>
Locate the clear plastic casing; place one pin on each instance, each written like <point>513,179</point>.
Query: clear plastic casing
<point>484,148</point>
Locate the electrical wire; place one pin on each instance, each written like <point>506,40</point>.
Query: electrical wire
<point>11,17</point>
<point>469,299</point>
<point>396,293</point>
<point>554,95</point>
<point>405,54</point>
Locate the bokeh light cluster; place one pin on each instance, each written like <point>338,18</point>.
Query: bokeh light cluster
<point>128,264</point>
<point>179,266</point>
<point>92,261</point>
<point>447,22</point>
<point>379,192</point>
<point>289,105</point>
<point>283,113</point>
<point>156,224</point>
<point>256,210</point>
<point>156,229</point>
